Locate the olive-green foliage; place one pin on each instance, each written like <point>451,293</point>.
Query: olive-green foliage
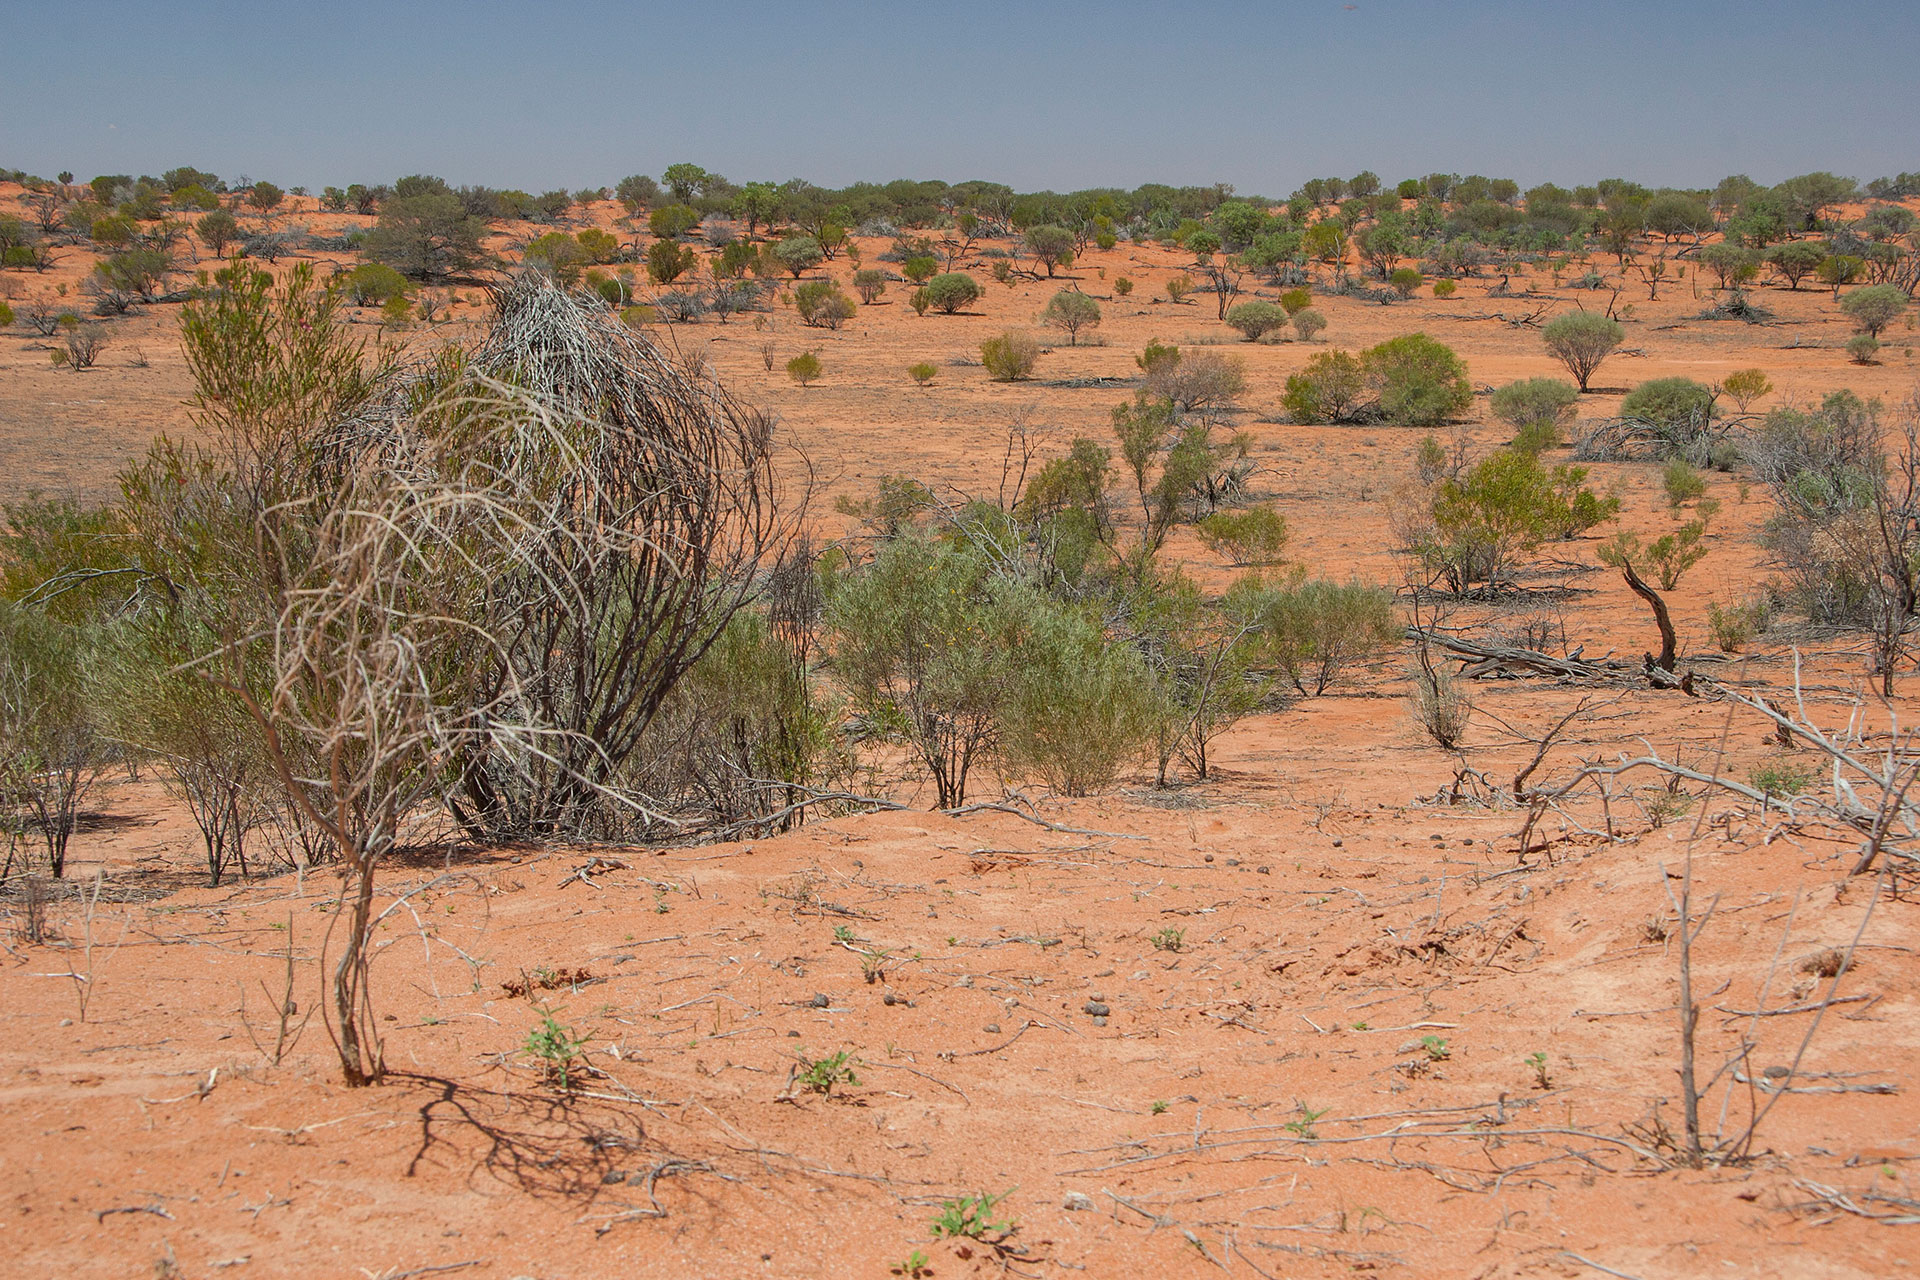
<point>1504,506</point>
<point>821,304</point>
<point>1670,403</point>
<point>1745,386</point>
<point>1863,347</point>
<point>799,254</point>
<point>923,372</point>
<point>427,237</point>
<point>1201,659</point>
<point>1732,626</point>
<point>1071,311</point>
<point>804,368</point>
<point>962,663</point>
<point>1294,301</point>
<point>671,221</point>
<point>1682,483</point>
<point>1581,340</point>
<point>668,260</point>
<point>218,230</point>
<point>1406,281</point>
<point>53,746</point>
<point>1051,245</point>
<point>1420,382</point>
<point>1315,629</point>
<point>1257,319</point>
<point>1010,356</point>
<point>1330,389</point>
<point>1531,400</point>
<point>920,268</point>
<point>1670,554</point>
<point>951,292</point>
<point>1445,288</point>
<point>6,314</point>
<point>559,255</point>
<point>1308,322</point>
<point>371,283</point>
<point>1255,536</point>
<point>870,283</point>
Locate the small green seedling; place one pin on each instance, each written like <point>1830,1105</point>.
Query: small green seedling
<point>1303,1127</point>
<point>873,965</point>
<point>1361,1026</point>
<point>1159,1108</point>
<point>971,1217</point>
<point>1169,939</point>
<point>913,1266</point>
<point>1538,1061</point>
<point>843,933</point>
<point>820,1075</point>
<point>1436,1048</point>
<point>557,1048</point>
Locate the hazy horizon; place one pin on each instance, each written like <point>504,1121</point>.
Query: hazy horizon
<point>1041,95</point>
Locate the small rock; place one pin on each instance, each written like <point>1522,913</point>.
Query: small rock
<point>1104,973</point>
<point>820,1000</point>
<point>66,1022</point>
<point>1096,996</point>
<point>1096,1008</point>
<point>965,981</point>
<point>1265,871</point>
<point>1100,1022</point>
<point>1233,862</point>
<point>793,1035</point>
<point>1209,857</point>
<point>1077,1202</point>
<point>992,1028</point>
<point>887,998</point>
<point>1339,844</point>
<point>612,1177</point>
<point>1777,1072</point>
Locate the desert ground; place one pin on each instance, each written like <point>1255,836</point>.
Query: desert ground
<point>1337,1009</point>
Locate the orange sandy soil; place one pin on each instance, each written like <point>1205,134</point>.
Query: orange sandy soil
<point>1332,911</point>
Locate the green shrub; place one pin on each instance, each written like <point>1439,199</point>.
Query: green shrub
<point>923,373</point>
<point>1420,382</point>
<point>1255,536</point>
<point>1314,629</point>
<point>1781,779</point>
<point>1745,386</point>
<point>371,283</point>
<point>1538,436</point>
<point>804,368</point>
<point>1122,287</point>
<point>1329,389</point>
<point>1682,483</point>
<point>1535,400</point>
<point>1294,301</point>
<point>1010,356</point>
<point>870,283</point>
<point>1670,403</point>
<point>1078,707</point>
<point>1307,322</point>
<point>1874,308</point>
<point>1505,505</point>
<point>667,261</point>
<point>920,268</point>
<point>798,254</point>
<point>952,292</point>
<point>1445,288</point>
<point>820,304</point>
<point>6,314</point>
<point>1732,627</point>
<point>1581,340</point>
<point>1406,281</point>
<point>1257,319</point>
<point>1071,311</point>
<point>1863,347</point>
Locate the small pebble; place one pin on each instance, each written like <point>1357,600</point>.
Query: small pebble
<point>66,1022</point>
<point>1265,871</point>
<point>1776,1073</point>
<point>1233,862</point>
<point>1209,857</point>
<point>611,1177</point>
<point>1096,996</point>
<point>887,998</point>
<point>992,1028</point>
<point>1339,844</point>
<point>1078,1202</point>
<point>1100,1022</point>
<point>820,1000</point>
<point>793,1035</point>
<point>1096,1008</point>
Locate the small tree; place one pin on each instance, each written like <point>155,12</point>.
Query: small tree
<point>1580,340</point>
<point>1071,311</point>
<point>1257,319</point>
<point>1733,264</point>
<point>1329,389</point>
<point>672,221</point>
<point>870,283</point>
<point>951,292</point>
<point>804,368</point>
<point>52,750</point>
<point>1795,261</point>
<point>820,304</point>
<point>1874,308</point>
<point>1256,536</point>
<point>1420,382</point>
<point>1315,629</point>
<point>668,260</point>
<point>1010,356</point>
<point>217,230</point>
<point>799,254</point>
<point>1744,386</point>
<point>264,196</point>
<point>1535,400</point>
<point>1051,245</point>
<point>923,373</point>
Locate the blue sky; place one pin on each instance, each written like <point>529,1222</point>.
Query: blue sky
<point>1040,94</point>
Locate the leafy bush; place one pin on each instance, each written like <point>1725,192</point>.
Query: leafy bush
<point>804,368</point>
<point>1313,629</point>
<point>1420,382</point>
<point>1010,356</point>
<point>1294,301</point>
<point>668,260</point>
<point>371,283</point>
<point>1071,311</point>
<point>951,292</point>
<point>1505,505</point>
<point>1078,707</point>
<point>799,254</point>
<point>1581,340</point>
<point>1445,288</point>
<point>1863,347</point>
<point>1670,403</point>
<point>923,373</point>
<point>1406,281</point>
<point>1440,705</point>
<point>870,283</point>
<point>427,237</point>
<point>6,314</point>
<point>1874,308</point>
<point>821,304</point>
<point>920,268</point>
<point>1257,319</point>
<point>1255,536</point>
<point>1535,400</point>
<point>1197,380</point>
<point>1682,483</point>
<point>1329,389</point>
<point>1745,386</point>
<point>1731,627</point>
<point>1122,286</point>
<point>1308,322</point>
